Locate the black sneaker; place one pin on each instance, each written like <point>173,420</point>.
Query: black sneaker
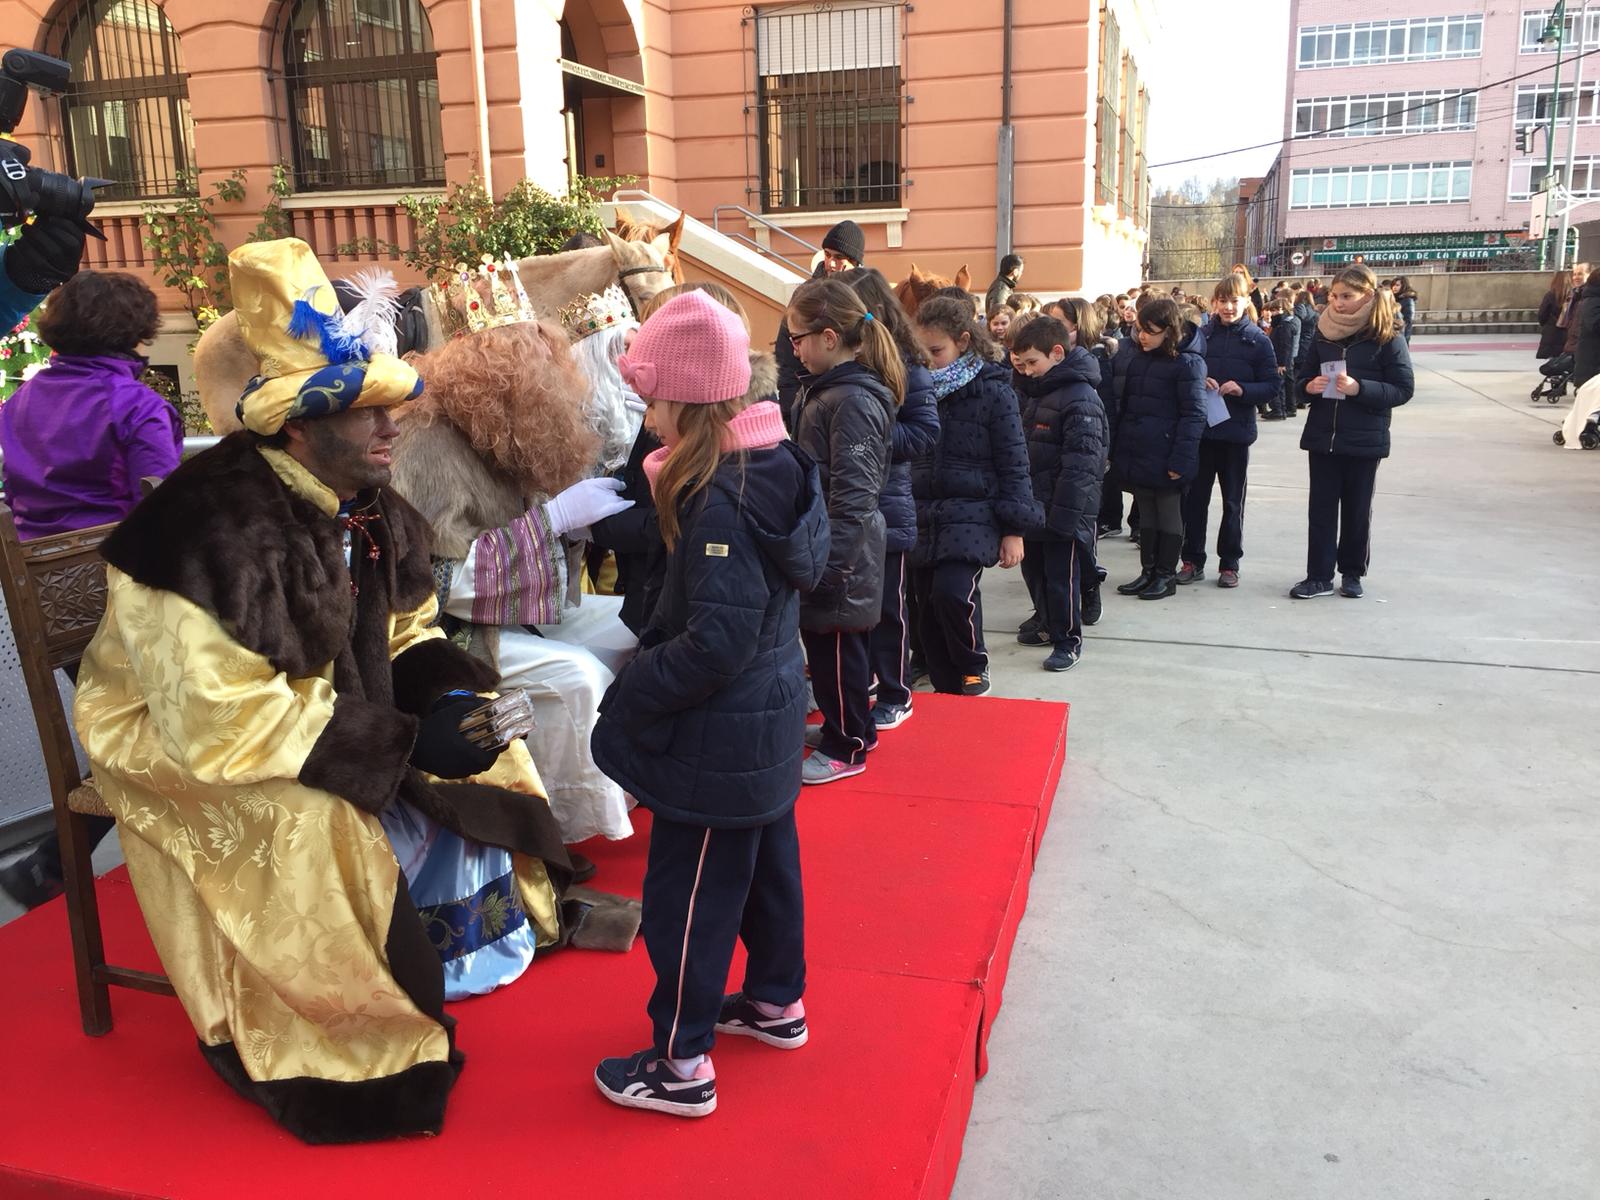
<point>644,1080</point>
<point>1350,586</point>
<point>742,1018</point>
<point>1092,608</point>
<point>1061,659</point>
<point>1190,573</point>
<point>975,685</point>
<point>1033,637</point>
<point>890,716</point>
<point>1310,589</point>
<point>1109,530</point>
<point>1032,625</point>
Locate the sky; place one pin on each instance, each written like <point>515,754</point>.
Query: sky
<point>1194,42</point>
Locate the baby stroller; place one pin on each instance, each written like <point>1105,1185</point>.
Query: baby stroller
<point>1557,372</point>
<point>1582,426</point>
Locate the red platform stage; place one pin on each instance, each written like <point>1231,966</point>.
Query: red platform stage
<point>916,877</point>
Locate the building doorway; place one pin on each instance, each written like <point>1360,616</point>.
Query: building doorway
<point>588,93</point>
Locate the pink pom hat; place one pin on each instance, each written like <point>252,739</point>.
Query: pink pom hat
<point>690,351</point>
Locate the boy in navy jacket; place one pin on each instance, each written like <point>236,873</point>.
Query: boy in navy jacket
<point>1065,424</point>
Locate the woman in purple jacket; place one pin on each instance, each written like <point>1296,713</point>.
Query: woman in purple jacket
<point>79,436</point>
<point>77,439</point>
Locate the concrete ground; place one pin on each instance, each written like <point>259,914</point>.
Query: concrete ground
<point>1316,913</point>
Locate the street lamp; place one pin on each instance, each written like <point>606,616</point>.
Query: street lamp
<point>1554,31</point>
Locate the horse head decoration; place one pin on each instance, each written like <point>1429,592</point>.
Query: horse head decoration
<point>917,287</point>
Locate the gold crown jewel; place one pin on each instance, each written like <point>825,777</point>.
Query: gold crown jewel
<point>485,298</point>
<point>595,312</point>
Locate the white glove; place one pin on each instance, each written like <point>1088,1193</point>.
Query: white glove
<point>584,503</point>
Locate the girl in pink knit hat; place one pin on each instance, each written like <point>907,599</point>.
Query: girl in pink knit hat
<point>706,725</point>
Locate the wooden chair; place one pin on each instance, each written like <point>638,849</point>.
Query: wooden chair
<point>55,590</point>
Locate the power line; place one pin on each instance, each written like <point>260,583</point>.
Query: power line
<point>1298,137</point>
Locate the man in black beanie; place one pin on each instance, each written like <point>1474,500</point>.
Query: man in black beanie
<point>844,249</point>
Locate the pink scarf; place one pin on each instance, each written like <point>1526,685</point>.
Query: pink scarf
<point>759,427</point>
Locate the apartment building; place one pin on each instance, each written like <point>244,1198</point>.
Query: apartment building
<point>1407,118</point>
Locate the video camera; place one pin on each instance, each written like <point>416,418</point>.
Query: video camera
<point>25,190</point>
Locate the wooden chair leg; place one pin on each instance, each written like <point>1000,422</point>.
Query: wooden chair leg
<point>83,920</point>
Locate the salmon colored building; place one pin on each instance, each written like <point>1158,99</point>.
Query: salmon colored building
<point>767,123</point>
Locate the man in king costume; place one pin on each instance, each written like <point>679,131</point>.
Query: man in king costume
<point>272,715</point>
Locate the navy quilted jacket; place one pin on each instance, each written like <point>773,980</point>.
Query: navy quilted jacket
<point>707,724</point>
<point>1065,425</point>
<point>1240,353</point>
<point>1286,340</point>
<point>1355,425</point>
<point>975,486</point>
<point>843,420</point>
<point>916,429</point>
<point>1162,413</point>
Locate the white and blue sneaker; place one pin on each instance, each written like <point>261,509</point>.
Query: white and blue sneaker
<point>646,1080</point>
<point>742,1018</point>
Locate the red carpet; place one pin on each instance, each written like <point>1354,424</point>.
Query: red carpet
<point>916,876</point>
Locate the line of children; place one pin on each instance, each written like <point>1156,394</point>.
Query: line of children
<point>974,495</point>
<point>844,416</point>
<point>705,726</point>
<point>1241,366</point>
<point>1064,423</point>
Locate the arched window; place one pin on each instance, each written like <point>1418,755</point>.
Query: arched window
<point>127,108</point>
<point>363,95</point>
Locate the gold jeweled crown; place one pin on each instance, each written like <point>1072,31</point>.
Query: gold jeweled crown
<point>596,311</point>
<point>486,298</point>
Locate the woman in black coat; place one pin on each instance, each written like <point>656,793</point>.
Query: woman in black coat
<point>974,495</point>
<point>1161,414</point>
<point>1347,434</point>
<point>1406,298</point>
<point>1553,313</point>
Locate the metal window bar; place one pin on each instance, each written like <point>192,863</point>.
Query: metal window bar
<point>125,115</point>
<point>1107,131</point>
<point>828,105</point>
<point>362,82</point>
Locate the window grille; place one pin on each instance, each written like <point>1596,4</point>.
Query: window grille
<point>363,92</point>
<point>126,111</point>
<point>1108,132</point>
<point>828,105</point>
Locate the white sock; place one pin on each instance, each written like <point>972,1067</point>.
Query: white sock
<point>684,1068</point>
<point>773,1011</point>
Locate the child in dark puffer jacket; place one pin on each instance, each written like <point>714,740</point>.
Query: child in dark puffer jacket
<point>974,495</point>
<point>1064,422</point>
<point>706,725</point>
<point>916,429</point>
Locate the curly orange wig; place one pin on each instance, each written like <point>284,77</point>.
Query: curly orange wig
<point>517,395</point>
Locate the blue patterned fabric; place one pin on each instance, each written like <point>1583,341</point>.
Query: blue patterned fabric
<point>466,894</point>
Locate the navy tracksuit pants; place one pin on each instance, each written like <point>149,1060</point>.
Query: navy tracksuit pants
<point>890,644</point>
<point>950,607</point>
<point>1224,463</point>
<point>1059,573</point>
<point>704,888</point>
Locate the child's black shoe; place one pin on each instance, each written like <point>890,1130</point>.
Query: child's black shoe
<point>743,1019</point>
<point>645,1080</point>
